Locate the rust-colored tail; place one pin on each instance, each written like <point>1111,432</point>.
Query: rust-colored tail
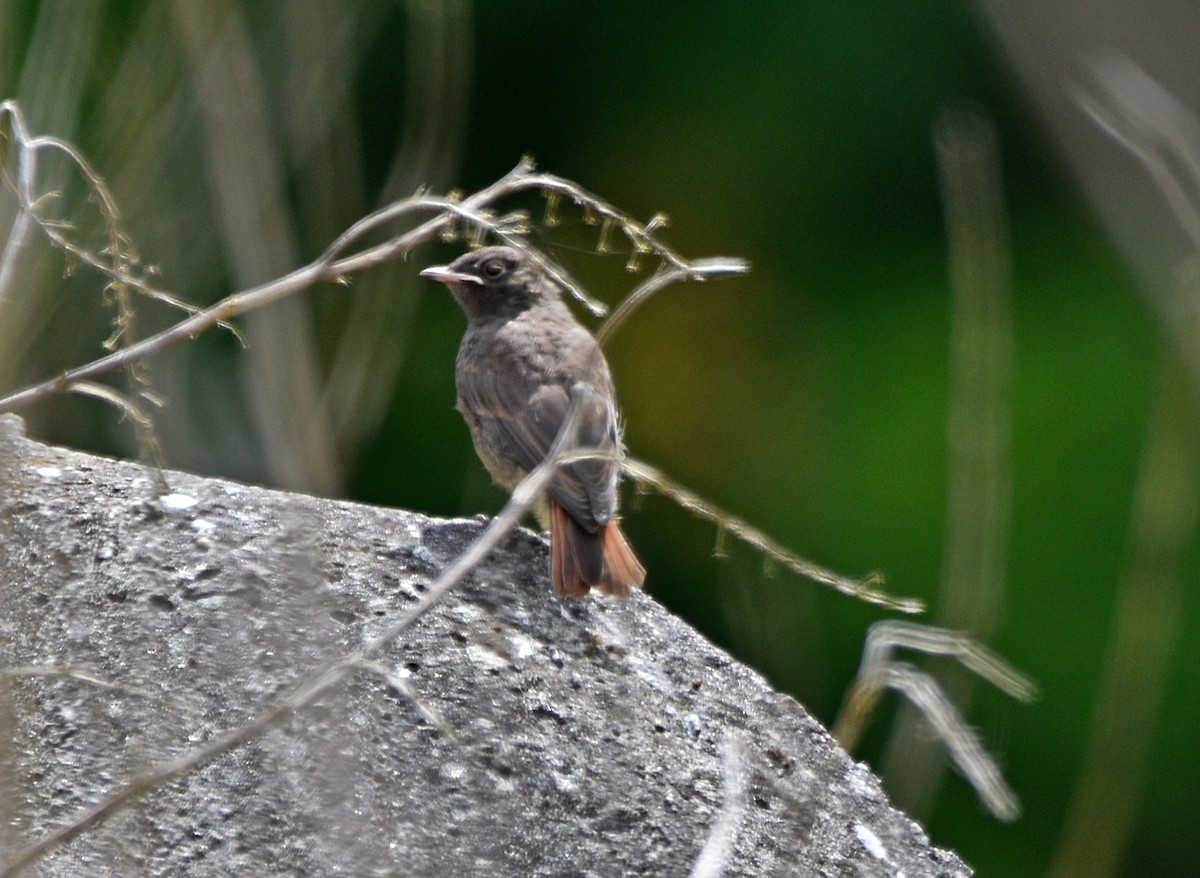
<point>581,560</point>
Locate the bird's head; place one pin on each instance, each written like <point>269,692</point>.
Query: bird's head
<point>495,282</point>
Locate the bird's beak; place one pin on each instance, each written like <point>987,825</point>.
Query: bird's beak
<point>447,275</point>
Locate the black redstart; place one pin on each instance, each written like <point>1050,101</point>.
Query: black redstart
<point>522,358</point>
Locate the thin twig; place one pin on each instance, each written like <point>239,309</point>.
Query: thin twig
<point>83,675</point>
<point>331,266</point>
<point>118,268</point>
<point>1154,126</point>
<point>963,745</point>
<point>398,680</point>
<point>864,589</point>
<point>113,397</point>
<point>26,176</point>
<point>697,270</point>
<point>978,434</point>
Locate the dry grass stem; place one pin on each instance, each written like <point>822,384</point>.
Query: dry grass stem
<point>878,672</point>
<point>865,589</point>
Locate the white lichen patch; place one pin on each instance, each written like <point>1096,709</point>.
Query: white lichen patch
<point>177,501</point>
<point>871,842</point>
<point>486,658</point>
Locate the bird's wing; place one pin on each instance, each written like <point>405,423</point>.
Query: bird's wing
<point>519,419</point>
<point>587,488</point>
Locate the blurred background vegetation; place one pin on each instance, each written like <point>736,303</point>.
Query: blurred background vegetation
<point>822,397</point>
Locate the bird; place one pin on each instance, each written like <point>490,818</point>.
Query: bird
<point>524,360</point>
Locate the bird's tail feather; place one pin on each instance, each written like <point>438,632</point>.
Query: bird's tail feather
<point>581,560</point>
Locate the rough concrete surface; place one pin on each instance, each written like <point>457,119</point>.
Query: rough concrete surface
<point>576,737</point>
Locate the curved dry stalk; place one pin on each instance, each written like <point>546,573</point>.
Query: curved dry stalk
<point>960,740</point>
<point>697,270</point>
<point>878,672</point>
<point>24,187</point>
<point>143,425</point>
<point>333,266</point>
<point>718,847</point>
<point>121,262</point>
<point>864,589</point>
<point>115,398</point>
<point>1154,126</point>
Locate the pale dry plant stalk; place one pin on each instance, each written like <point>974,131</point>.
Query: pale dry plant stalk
<point>879,672</point>
<point>117,261</point>
<point>84,675</point>
<point>718,847</point>
<point>978,439</point>
<point>1162,134</point>
<point>1147,623</point>
<point>865,589</point>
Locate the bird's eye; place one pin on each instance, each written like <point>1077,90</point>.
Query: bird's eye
<point>493,268</point>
